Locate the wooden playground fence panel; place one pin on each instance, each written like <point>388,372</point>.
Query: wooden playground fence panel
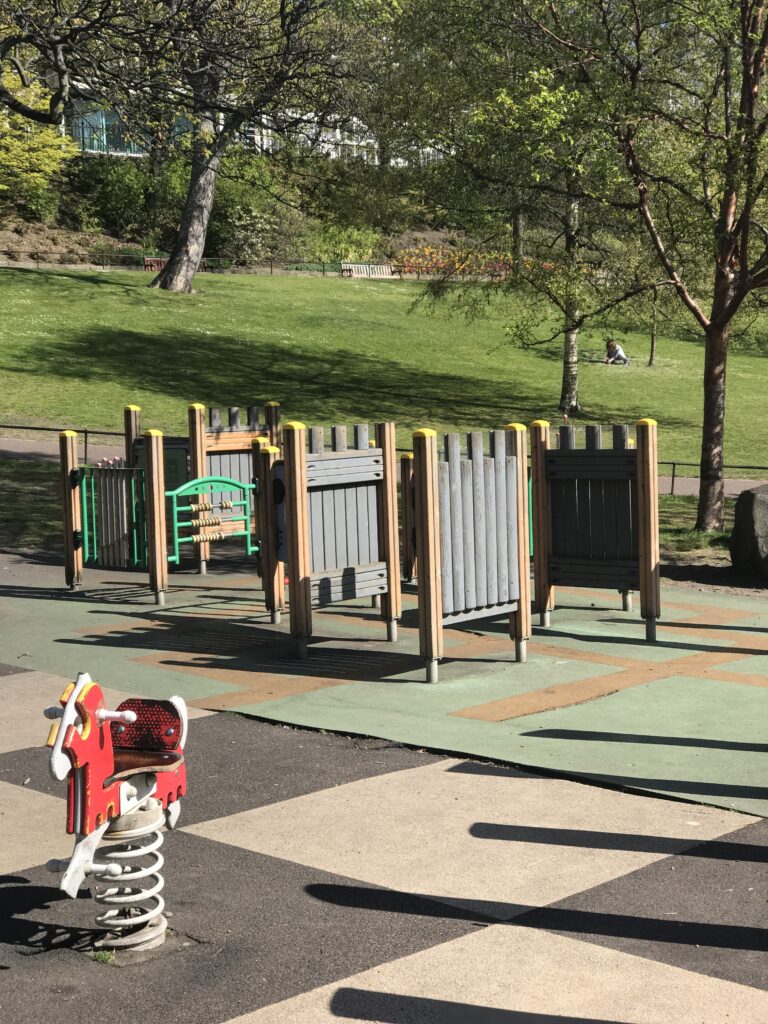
<point>340,512</point>
<point>596,515</point>
<point>470,516</point>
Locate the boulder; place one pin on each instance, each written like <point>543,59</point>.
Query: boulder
<point>749,540</point>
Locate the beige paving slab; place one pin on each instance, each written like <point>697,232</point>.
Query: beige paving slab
<point>26,694</point>
<point>413,831</point>
<point>32,828</point>
<point>522,976</point>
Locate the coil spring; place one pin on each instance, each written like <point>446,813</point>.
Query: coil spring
<point>133,914</point>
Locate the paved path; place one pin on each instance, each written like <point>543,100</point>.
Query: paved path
<point>317,878</point>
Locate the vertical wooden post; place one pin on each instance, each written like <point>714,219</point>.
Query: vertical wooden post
<point>648,524</point>
<point>272,570</point>
<point>542,529</point>
<point>272,417</point>
<point>198,467</point>
<point>73,522</point>
<point>428,550</point>
<point>389,540</point>
<point>132,430</point>
<point>297,532</point>
<point>407,507</point>
<point>520,621</point>
<point>157,541</point>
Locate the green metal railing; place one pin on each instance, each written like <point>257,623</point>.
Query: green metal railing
<point>110,521</point>
<point>195,515</point>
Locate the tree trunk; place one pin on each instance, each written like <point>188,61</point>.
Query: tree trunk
<point>569,392</point>
<point>188,249</point>
<point>518,229</point>
<point>654,325</point>
<point>711,485</point>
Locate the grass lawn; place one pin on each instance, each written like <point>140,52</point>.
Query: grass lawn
<point>78,346</point>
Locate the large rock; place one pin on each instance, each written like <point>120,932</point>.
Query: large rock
<point>749,540</point>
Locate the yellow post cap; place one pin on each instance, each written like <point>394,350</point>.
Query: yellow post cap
<point>261,441</point>
<point>153,433</point>
<point>425,432</point>
<point>133,408</point>
<point>294,424</point>
<point>271,449</point>
<point>271,403</point>
<point>68,433</point>
<point>407,455</point>
<point>197,405</point>
<point>540,423</point>
<point>647,422</point>
<point>516,426</point>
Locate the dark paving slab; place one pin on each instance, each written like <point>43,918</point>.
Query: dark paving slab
<point>236,763</point>
<point>12,670</point>
<point>704,910</point>
<point>246,933</point>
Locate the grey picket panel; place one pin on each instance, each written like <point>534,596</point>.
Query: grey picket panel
<point>475,454</point>
<point>468,538</point>
<point>512,527</point>
<point>446,547</point>
<point>492,581</point>
<point>453,452</point>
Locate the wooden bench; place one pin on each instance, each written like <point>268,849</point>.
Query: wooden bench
<point>385,270</point>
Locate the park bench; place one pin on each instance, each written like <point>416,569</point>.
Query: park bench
<point>386,270</point>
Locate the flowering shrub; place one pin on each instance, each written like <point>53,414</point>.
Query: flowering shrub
<point>441,260</point>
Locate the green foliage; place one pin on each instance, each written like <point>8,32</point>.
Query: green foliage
<point>330,243</point>
<point>31,158</point>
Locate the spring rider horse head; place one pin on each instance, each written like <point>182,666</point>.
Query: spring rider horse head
<point>125,775</point>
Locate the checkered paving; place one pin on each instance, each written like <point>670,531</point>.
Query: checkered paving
<point>320,878</point>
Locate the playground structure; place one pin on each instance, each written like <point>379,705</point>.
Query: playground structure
<point>596,518</point>
<point>108,508</point>
<point>334,520</point>
<point>330,516</point>
<point>125,775</point>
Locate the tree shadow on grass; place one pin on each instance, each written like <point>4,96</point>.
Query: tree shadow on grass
<point>320,387</point>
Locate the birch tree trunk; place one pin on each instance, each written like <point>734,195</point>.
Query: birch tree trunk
<point>712,484</point>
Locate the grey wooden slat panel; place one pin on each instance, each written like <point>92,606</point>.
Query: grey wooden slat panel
<point>349,455</point>
<point>329,529</point>
<point>234,417</point>
<point>361,436</point>
<point>373,491</point>
<point>369,569</point>
<point>634,526</point>
<point>340,525</point>
<point>492,584</point>
<point>446,547</point>
<point>339,438</point>
<point>453,450</point>
<point>325,588</point>
<point>468,520</point>
<point>502,558</point>
<point>353,525</point>
<point>358,500</point>
<point>487,612</point>
<point>354,476</point>
<point>316,533</point>
<point>475,453</point>
<point>352,462</point>
<point>214,418</point>
<point>513,573</point>
<point>316,440</point>
<point>253,417</point>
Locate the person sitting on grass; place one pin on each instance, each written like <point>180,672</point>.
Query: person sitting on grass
<point>614,353</point>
